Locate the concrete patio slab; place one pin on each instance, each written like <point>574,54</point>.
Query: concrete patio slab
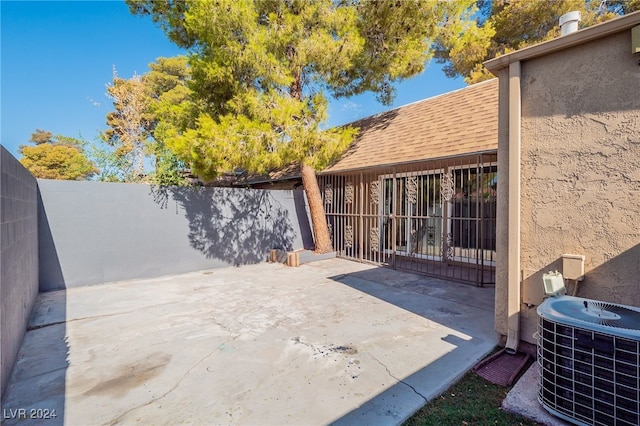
<point>522,399</point>
<point>332,341</point>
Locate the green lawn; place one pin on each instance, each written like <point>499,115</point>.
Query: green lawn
<point>471,401</point>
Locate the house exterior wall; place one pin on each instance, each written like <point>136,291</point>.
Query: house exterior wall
<point>580,174</point>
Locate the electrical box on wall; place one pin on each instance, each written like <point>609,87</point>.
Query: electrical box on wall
<point>573,266</point>
<point>532,288</point>
<point>635,39</point>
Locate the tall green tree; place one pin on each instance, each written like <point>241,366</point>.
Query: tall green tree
<point>503,26</point>
<point>166,85</point>
<point>262,72</point>
<point>56,157</point>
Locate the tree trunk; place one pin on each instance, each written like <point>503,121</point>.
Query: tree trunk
<point>316,209</point>
<point>309,181</point>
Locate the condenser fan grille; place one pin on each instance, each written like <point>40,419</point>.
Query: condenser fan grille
<point>612,315</point>
<point>588,376</point>
<point>596,312</point>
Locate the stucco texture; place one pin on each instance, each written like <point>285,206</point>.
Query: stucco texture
<point>502,213</point>
<point>580,178</point>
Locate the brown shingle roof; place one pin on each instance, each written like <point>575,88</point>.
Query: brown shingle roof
<point>455,123</point>
<point>291,171</point>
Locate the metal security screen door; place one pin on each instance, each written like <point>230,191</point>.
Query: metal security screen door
<point>412,215</point>
<point>436,218</point>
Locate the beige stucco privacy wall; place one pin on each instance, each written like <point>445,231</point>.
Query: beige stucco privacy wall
<point>579,167</point>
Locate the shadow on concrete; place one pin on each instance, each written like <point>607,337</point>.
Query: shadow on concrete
<point>410,282</point>
<point>237,226</point>
<point>467,311</point>
<point>37,388</point>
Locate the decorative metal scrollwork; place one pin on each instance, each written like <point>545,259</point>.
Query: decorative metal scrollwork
<point>348,193</point>
<point>375,192</point>
<point>450,249</point>
<point>328,194</point>
<point>431,236</point>
<point>412,189</point>
<point>447,188</point>
<point>447,247</point>
<point>374,236</point>
<point>348,236</point>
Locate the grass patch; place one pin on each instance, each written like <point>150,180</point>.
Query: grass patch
<point>471,401</point>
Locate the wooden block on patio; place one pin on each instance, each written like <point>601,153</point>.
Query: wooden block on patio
<point>293,259</point>
<point>278,256</point>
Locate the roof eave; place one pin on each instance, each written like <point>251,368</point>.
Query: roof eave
<point>613,26</point>
<point>268,180</point>
<point>407,162</point>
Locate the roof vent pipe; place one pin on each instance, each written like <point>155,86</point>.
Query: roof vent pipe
<point>569,22</point>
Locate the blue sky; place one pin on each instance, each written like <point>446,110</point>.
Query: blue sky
<point>57,57</point>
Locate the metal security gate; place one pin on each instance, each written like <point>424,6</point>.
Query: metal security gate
<point>435,217</point>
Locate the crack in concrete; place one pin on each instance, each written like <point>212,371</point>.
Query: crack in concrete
<point>399,380</point>
<point>39,326</point>
<point>226,328</point>
<point>132,311</point>
<point>50,324</point>
<point>174,387</point>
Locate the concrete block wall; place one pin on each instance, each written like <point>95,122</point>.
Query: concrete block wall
<point>95,232</point>
<point>18,257</point>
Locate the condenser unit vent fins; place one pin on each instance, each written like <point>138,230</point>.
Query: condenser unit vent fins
<point>589,376</point>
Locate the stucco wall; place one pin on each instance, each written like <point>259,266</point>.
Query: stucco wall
<point>18,258</point>
<point>580,170</point>
<point>93,232</point>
